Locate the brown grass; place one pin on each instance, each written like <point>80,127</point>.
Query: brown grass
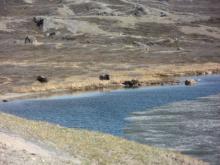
<point>148,76</point>
<point>93,147</point>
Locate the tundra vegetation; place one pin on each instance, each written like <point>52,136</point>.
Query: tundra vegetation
<point>65,45</point>
<point>72,42</point>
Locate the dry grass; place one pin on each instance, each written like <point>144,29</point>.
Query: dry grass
<point>148,76</point>
<point>93,147</point>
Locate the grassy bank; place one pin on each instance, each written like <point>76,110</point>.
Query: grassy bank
<point>92,147</point>
<point>153,75</point>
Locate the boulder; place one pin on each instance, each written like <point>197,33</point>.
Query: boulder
<point>4,101</point>
<point>42,79</point>
<point>104,77</point>
<point>179,48</point>
<point>162,14</point>
<point>69,37</point>
<point>190,82</point>
<point>131,84</point>
<point>139,10</point>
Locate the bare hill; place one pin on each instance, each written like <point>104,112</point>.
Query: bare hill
<point>79,39</point>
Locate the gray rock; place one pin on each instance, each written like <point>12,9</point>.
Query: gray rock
<point>162,14</point>
<point>139,10</point>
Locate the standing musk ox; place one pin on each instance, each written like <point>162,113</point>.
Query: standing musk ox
<point>104,77</point>
<point>131,84</point>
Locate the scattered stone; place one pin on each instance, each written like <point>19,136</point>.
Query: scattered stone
<point>139,10</point>
<point>69,37</point>
<point>164,41</point>
<point>104,13</point>
<point>176,42</point>
<point>104,77</point>
<point>131,84</point>
<point>65,11</point>
<point>38,21</point>
<point>208,72</point>
<point>142,46</point>
<point>200,73</point>
<point>179,48</point>
<point>42,79</point>
<point>162,14</point>
<point>30,40</point>
<point>190,82</point>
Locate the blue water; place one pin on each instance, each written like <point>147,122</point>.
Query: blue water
<point>106,111</point>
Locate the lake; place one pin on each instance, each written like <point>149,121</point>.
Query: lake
<point>182,118</point>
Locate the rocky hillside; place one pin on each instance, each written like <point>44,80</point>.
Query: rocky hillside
<point>67,39</point>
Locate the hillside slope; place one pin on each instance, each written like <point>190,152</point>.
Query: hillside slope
<point>80,39</point>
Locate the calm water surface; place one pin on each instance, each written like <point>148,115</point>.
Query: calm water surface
<point>173,117</point>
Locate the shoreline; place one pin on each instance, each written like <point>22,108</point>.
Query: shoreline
<point>84,146</point>
<point>106,86</point>
<point>32,95</point>
<point>19,128</point>
<point>64,47</point>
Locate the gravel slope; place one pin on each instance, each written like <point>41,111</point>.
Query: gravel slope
<point>15,150</point>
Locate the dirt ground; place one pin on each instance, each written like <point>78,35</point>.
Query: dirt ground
<point>15,150</point>
<point>148,40</point>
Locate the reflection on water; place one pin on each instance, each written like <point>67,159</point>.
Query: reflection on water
<point>192,127</point>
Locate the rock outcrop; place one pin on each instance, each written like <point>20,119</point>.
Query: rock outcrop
<point>139,10</point>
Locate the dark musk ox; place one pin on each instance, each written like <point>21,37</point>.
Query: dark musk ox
<point>38,21</point>
<point>190,82</point>
<point>131,84</point>
<point>104,77</point>
<point>42,79</point>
